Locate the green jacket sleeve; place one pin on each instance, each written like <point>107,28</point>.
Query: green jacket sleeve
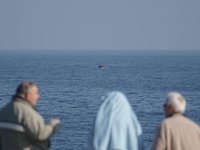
<point>37,129</point>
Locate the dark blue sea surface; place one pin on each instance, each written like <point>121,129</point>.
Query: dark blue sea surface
<point>71,86</point>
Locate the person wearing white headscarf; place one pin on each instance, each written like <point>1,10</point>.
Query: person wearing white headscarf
<point>116,126</point>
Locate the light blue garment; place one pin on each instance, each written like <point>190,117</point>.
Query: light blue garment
<point>116,126</point>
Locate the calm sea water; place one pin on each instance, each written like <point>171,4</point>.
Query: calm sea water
<point>71,85</point>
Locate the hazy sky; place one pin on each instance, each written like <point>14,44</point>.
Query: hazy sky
<point>103,24</point>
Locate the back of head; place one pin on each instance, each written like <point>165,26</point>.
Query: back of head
<point>23,88</point>
<point>177,100</point>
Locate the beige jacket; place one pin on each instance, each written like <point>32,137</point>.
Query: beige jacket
<point>177,133</point>
<point>34,134</point>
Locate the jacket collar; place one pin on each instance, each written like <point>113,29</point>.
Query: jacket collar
<point>176,114</point>
<point>18,98</point>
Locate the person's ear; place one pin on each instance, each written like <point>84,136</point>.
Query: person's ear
<point>26,95</point>
<point>171,109</point>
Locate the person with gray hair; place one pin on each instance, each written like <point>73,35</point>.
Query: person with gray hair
<point>176,132</point>
<point>21,126</point>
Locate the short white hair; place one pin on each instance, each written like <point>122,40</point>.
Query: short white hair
<point>177,100</point>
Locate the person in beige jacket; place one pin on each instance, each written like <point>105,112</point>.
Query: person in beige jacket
<point>21,126</point>
<point>176,132</point>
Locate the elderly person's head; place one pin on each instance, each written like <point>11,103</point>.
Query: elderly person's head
<point>28,91</point>
<point>175,103</point>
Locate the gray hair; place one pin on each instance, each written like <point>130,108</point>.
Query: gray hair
<point>177,100</point>
<point>24,87</point>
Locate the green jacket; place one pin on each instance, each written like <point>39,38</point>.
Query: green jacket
<point>23,128</point>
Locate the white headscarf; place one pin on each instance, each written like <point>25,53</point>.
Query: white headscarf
<point>116,126</point>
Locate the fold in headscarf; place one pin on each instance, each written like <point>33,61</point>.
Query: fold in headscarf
<point>116,126</point>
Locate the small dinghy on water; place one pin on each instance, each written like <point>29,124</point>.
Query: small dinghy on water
<point>101,66</point>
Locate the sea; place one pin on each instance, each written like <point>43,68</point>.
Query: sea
<point>71,85</point>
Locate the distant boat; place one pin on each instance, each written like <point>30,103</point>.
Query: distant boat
<point>101,66</point>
